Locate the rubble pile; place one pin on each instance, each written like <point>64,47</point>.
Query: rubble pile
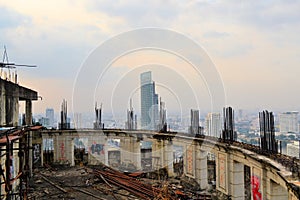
<point>133,185</point>
<point>103,182</point>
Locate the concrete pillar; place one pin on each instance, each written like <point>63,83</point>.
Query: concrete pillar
<point>2,104</point>
<point>11,99</point>
<point>15,109</point>
<point>70,150</point>
<point>221,173</point>
<point>55,149</point>
<point>124,150</point>
<point>157,155</point>
<point>106,152</point>
<point>168,157</point>
<point>189,160</point>
<point>236,185</point>
<point>63,149</point>
<point>201,167</point>
<point>42,151</point>
<point>131,152</point>
<point>161,154</point>
<point>60,149</point>
<point>136,153</point>
<point>28,112</point>
<point>262,175</point>
<point>276,192</point>
<point>101,155</point>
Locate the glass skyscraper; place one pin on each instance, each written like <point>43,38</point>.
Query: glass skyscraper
<point>149,102</point>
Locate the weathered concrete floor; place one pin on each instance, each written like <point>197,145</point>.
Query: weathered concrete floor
<point>75,183</point>
<point>81,183</point>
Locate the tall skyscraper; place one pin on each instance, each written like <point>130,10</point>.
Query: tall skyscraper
<point>195,127</point>
<point>288,122</point>
<point>149,102</point>
<point>50,116</point>
<point>131,123</point>
<point>213,124</point>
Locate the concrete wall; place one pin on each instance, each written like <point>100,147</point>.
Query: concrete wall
<point>10,95</point>
<point>2,104</point>
<point>230,161</point>
<point>9,101</point>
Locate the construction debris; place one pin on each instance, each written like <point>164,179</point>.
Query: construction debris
<point>103,182</point>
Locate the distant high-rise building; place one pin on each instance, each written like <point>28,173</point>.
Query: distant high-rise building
<point>195,127</point>
<point>50,116</point>
<point>44,121</point>
<point>213,124</point>
<point>149,102</point>
<point>288,122</point>
<point>77,120</point>
<point>131,123</point>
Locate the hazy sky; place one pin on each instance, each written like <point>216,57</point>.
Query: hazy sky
<point>255,46</point>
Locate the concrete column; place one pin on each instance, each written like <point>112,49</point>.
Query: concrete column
<point>154,154</point>
<point>184,157</point>
<point>168,157</point>
<point>276,192</point>
<point>201,167</point>
<point>28,112</point>
<point>42,152</point>
<point>106,152</point>
<point>131,152</point>
<point>157,155</point>
<point>136,153</point>
<point>60,149</point>
<point>55,149</point>
<point>11,112</point>
<point>161,154</point>
<point>222,173</point>
<point>95,158</point>
<point>2,104</point>
<point>15,109</point>
<point>69,145</point>
<point>264,181</point>
<point>236,185</point>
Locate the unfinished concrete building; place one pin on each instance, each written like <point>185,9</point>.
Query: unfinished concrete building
<point>15,141</point>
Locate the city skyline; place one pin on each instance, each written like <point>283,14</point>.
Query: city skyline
<point>253,45</point>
